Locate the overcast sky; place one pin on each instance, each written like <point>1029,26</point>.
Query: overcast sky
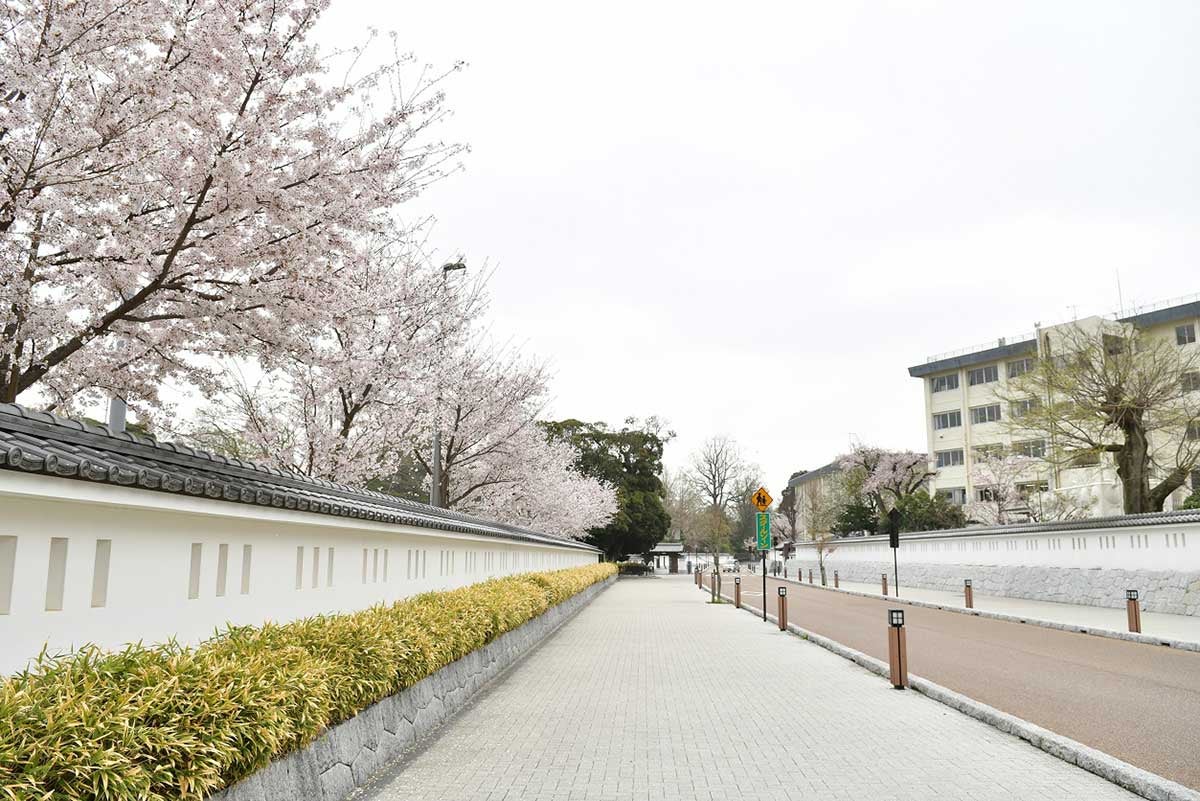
<point>751,218</point>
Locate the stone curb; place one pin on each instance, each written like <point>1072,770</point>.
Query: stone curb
<point>1145,639</point>
<point>1141,782</point>
<point>346,756</point>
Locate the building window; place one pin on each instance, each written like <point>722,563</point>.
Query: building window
<point>1023,407</point>
<point>983,375</point>
<point>951,458</point>
<point>1019,367</point>
<point>1185,334</point>
<point>1027,488</point>
<point>987,494</point>
<point>955,495</point>
<point>1196,480</point>
<point>947,420</point>
<point>1034,448</point>
<point>1193,430</point>
<point>985,414</point>
<point>984,452</point>
<point>1085,459</point>
<point>942,383</point>
<point>1190,382</point>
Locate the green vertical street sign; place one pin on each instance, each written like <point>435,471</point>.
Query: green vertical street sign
<point>763,528</point>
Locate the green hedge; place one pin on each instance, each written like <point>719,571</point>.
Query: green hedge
<point>171,722</point>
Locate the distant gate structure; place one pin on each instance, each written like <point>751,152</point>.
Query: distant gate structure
<point>666,554</point>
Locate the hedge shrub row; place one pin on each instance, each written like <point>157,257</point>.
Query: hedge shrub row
<point>172,722</point>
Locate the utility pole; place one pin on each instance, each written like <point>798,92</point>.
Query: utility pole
<point>435,488</point>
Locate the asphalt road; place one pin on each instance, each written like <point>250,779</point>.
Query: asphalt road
<point>1139,703</point>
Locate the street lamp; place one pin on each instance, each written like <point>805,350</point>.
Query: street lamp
<point>435,488</point>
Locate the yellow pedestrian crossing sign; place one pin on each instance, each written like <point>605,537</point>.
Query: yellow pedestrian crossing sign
<point>761,499</point>
<point>763,529</point>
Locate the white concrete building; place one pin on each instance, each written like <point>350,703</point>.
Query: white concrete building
<point>965,407</point>
<point>114,538</point>
<point>811,491</point>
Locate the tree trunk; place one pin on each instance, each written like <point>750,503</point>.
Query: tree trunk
<point>1134,470</point>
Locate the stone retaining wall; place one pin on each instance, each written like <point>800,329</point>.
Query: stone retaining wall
<point>345,757</point>
<point>1175,592</point>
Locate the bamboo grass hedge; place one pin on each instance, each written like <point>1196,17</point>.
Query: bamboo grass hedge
<point>172,722</point>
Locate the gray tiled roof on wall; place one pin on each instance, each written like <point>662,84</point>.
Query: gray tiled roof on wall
<point>37,442</point>
<point>1187,516</point>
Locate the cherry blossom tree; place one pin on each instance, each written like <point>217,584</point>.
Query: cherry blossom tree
<point>485,401</point>
<point>534,483</point>
<point>341,392</point>
<point>178,178</point>
<point>887,476</point>
<point>1013,488</point>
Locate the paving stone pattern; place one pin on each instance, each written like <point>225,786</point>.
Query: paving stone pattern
<point>1175,592</point>
<point>346,756</point>
<point>651,693</point>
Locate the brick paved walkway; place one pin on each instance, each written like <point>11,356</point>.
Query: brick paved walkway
<point>652,694</point>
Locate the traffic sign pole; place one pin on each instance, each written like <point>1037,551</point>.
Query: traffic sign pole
<point>762,501</point>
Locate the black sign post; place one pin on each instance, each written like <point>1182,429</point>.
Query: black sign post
<point>894,542</point>
<point>764,596</point>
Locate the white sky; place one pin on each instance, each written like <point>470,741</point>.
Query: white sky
<point>751,218</point>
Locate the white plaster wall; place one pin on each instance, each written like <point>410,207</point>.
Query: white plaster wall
<point>1174,547</point>
<point>152,537</point>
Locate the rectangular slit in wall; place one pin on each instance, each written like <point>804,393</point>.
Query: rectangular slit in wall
<point>364,572</point>
<point>299,566</point>
<point>385,564</point>
<point>246,551</point>
<point>194,571</point>
<point>316,569</point>
<point>8,569</point>
<point>56,574</point>
<point>222,568</point>
<point>100,567</point>
<point>375,566</point>
<point>329,568</point>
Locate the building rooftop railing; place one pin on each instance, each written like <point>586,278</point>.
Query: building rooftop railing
<point>1145,308</point>
<point>995,343</point>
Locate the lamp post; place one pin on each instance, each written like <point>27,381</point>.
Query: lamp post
<point>435,489</point>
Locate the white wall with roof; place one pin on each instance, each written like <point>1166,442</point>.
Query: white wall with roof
<point>89,562</point>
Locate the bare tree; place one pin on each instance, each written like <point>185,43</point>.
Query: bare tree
<point>1115,390</point>
<point>717,473</point>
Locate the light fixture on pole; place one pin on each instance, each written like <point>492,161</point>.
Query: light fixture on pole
<point>435,486</point>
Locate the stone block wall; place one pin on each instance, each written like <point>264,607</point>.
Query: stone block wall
<point>1175,592</point>
<point>345,757</point>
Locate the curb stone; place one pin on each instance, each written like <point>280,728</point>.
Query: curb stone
<point>1136,780</point>
<point>346,756</point>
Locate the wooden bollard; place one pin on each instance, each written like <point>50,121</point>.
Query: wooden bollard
<point>968,594</point>
<point>885,583</point>
<point>897,649</point>
<point>1134,610</point>
<point>835,580</point>
<point>810,581</point>
<point>713,579</point>
<point>737,592</point>
<point>782,609</point>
